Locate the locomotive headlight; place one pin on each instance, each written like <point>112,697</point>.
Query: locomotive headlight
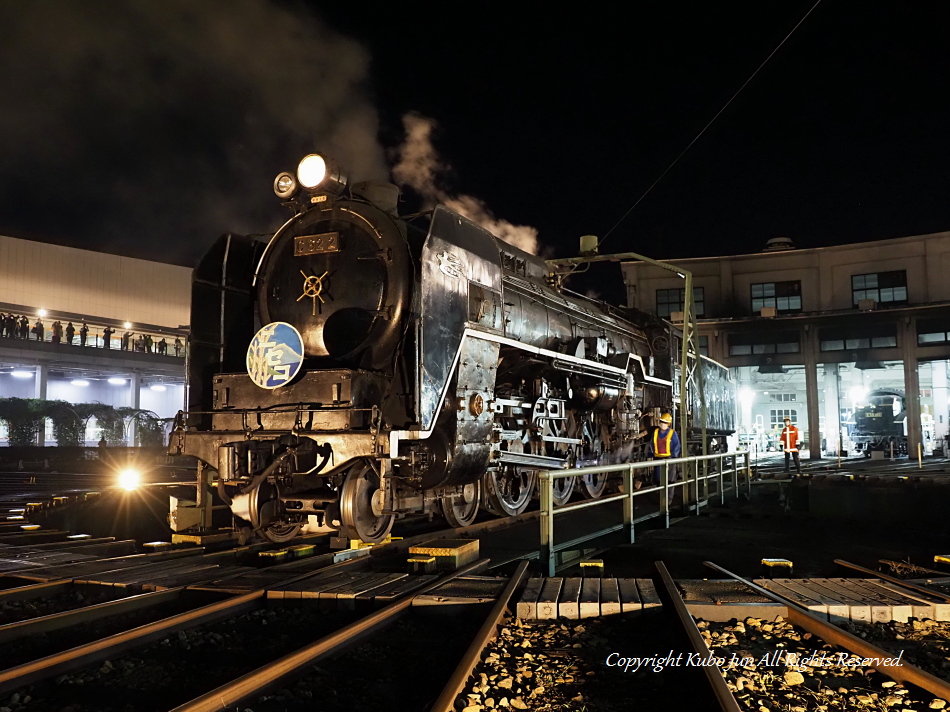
<point>320,173</point>
<point>285,185</point>
<point>312,170</point>
<point>129,479</point>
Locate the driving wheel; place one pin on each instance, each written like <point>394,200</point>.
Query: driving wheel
<point>507,491</point>
<point>460,510</point>
<point>361,515</point>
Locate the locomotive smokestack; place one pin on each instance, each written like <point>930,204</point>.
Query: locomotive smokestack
<point>384,196</point>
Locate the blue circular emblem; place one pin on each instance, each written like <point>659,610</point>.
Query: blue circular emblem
<point>275,355</point>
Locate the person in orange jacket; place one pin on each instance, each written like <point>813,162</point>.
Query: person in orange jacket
<point>789,439</point>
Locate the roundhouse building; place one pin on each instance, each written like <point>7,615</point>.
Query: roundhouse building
<point>821,334</point>
<point>114,296</point>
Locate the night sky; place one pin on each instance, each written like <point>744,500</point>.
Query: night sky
<point>148,128</point>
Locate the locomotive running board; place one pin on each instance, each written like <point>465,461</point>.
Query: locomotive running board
<point>520,458</point>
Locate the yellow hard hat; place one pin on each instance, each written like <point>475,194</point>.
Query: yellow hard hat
<point>666,418</point>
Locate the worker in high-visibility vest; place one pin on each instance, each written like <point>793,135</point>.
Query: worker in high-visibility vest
<point>789,440</point>
<point>664,443</point>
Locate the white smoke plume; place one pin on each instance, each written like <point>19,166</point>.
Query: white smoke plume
<point>421,168</point>
<point>160,125</point>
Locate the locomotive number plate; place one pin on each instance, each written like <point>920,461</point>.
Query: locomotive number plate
<point>316,244</point>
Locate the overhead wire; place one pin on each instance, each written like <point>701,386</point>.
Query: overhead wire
<point>710,123</point>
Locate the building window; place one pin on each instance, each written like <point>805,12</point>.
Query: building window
<point>839,339</point>
<point>672,300</point>
<point>755,343</point>
<point>933,331</point>
<point>777,417</point>
<point>704,345</point>
<point>883,287</point>
<point>784,296</point>
<point>782,397</point>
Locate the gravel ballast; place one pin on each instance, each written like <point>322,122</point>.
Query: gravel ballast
<point>772,665</point>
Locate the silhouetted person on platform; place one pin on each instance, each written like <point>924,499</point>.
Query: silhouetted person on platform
<point>56,332</point>
<point>148,344</point>
<point>39,330</point>
<point>103,446</point>
<point>24,327</point>
<point>70,333</point>
<point>83,332</point>
<point>125,340</point>
<point>178,346</point>
<point>162,347</point>
<point>107,337</point>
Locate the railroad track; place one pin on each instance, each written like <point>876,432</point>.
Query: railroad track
<point>76,614</point>
<point>212,652</point>
<point>829,661</point>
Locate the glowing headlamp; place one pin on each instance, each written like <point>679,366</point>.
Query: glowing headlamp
<point>312,170</point>
<point>130,479</point>
<point>317,173</point>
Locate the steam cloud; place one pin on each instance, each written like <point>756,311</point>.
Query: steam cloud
<point>421,168</point>
<point>153,127</point>
<point>150,128</point>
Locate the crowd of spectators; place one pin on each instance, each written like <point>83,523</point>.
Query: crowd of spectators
<point>17,326</point>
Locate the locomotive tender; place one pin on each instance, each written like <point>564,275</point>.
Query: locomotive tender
<point>401,365</point>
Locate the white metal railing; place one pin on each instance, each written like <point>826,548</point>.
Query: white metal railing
<point>724,464</point>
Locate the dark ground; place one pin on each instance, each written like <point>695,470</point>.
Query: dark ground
<point>740,535</point>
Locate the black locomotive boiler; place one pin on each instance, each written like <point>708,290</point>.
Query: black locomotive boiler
<point>359,366</point>
<point>881,424</point>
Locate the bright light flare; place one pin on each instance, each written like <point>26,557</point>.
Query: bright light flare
<point>312,170</point>
<point>22,374</point>
<point>858,394</point>
<point>42,313</point>
<point>82,382</point>
<point>127,325</point>
<point>130,479</point>
<point>117,381</point>
<point>746,395</point>
<point>157,387</point>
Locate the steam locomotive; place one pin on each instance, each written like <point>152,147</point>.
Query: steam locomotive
<point>881,424</point>
<point>359,366</point>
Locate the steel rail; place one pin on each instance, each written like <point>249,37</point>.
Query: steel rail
<point>97,651</point>
<point>35,590</point>
<point>727,701</point>
<point>916,587</point>
<point>487,633</point>
<point>90,653</point>
<point>903,673</point>
<point>86,614</point>
<point>266,676</point>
